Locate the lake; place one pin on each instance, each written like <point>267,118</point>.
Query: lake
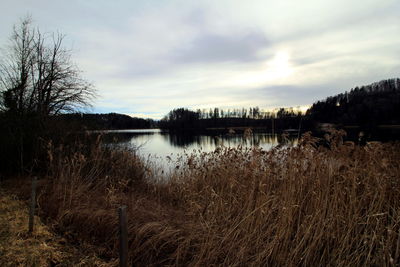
<point>163,147</point>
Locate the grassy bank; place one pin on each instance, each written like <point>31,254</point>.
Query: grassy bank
<point>309,205</point>
<point>42,248</point>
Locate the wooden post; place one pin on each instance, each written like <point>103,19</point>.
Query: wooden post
<point>33,204</point>
<point>123,237</point>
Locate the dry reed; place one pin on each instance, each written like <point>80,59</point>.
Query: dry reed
<point>308,205</point>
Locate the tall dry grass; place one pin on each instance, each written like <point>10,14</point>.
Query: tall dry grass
<point>310,205</point>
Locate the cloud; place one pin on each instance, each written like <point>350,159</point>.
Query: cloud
<point>211,48</point>
<point>147,57</point>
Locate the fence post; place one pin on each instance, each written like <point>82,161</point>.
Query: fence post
<point>32,204</point>
<point>123,237</point>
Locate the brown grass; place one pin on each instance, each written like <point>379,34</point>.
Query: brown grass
<point>42,248</point>
<point>308,205</point>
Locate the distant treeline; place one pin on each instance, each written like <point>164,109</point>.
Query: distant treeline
<point>105,121</point>
<point>366,107</point>
<point>185,119</point>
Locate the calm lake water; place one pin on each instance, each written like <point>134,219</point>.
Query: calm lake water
<point>157,146</point>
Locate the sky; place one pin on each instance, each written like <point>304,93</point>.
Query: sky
<point>147,57</point>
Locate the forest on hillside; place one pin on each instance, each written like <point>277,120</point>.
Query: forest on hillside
<point>365,107</point>
<point>109,121</point>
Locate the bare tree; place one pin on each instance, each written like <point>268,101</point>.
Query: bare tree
<point>38,76</point>
<point>37,80</point>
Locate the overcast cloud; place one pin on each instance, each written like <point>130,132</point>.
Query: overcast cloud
<point>148,57</point>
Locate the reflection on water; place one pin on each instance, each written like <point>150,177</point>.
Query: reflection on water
<point>210,142</point>
<point>159,144</point>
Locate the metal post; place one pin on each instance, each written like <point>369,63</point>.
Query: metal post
<point>33,204</point>
<point>123,237</point>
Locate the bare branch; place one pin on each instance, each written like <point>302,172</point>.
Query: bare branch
<point>37,74</point>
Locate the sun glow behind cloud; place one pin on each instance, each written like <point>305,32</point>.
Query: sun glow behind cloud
<point>280,66</point>
<point>276,69</point>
